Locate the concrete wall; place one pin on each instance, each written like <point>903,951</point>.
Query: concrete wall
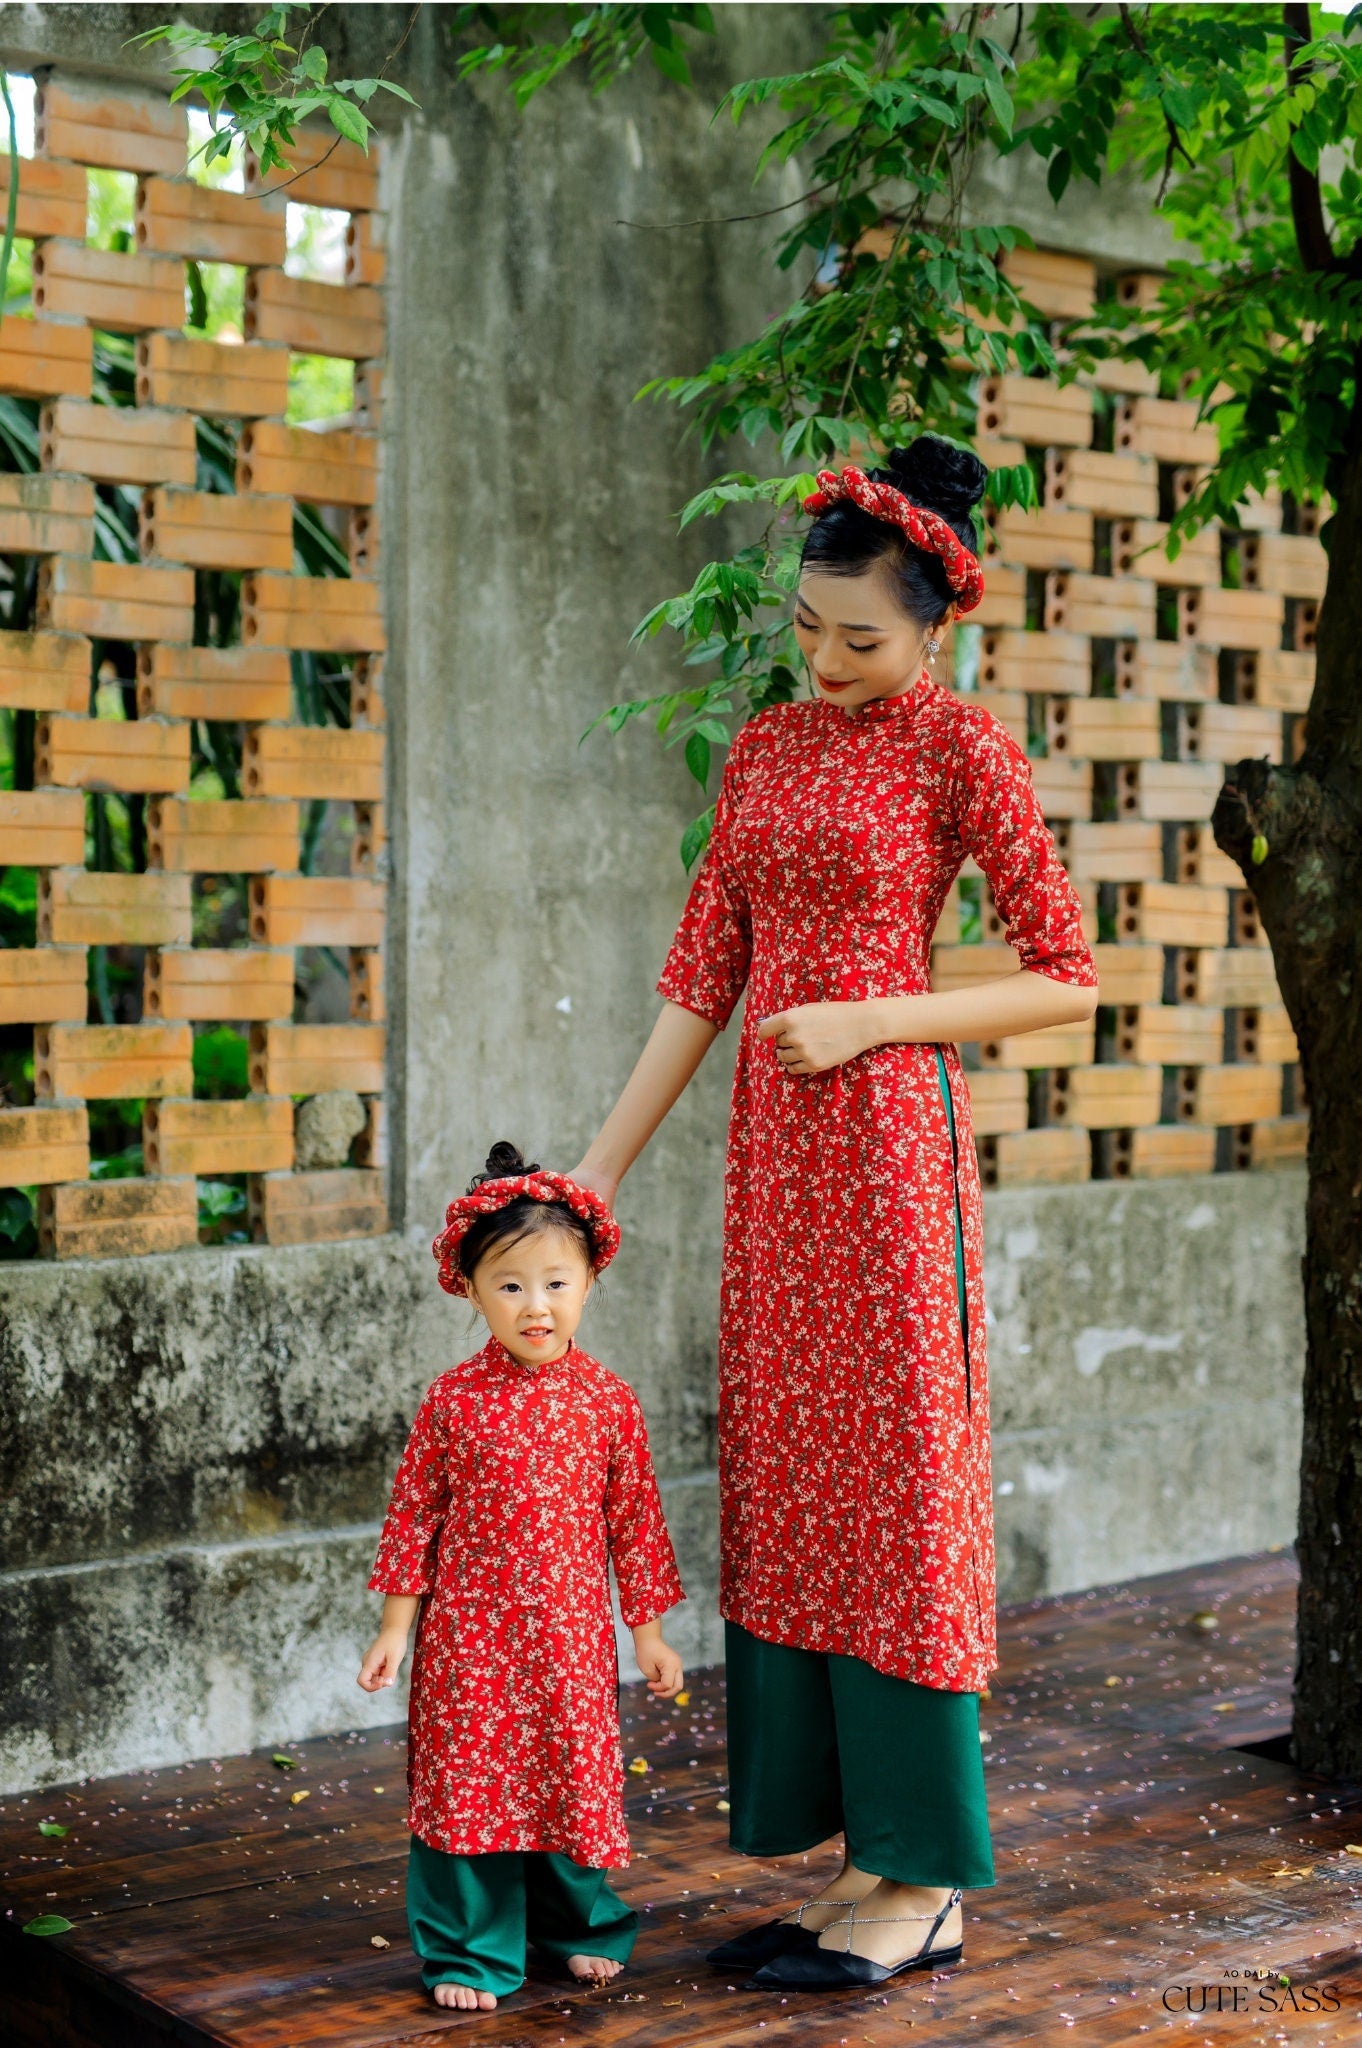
<point>196,1448</point>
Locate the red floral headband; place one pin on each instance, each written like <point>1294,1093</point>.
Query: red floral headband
<point>926,530</point>
<point>540,1186</point>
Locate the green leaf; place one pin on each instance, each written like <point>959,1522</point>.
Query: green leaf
<point>698,758</point>
<point>348,121</point>
<point>282,1762</point>
<point>313,64</point>
<point>52,1828</point>
<point>48,1923</point>
<point>695,839</point>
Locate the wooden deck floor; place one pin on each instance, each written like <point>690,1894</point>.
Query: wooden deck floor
<point>1147,1865</point>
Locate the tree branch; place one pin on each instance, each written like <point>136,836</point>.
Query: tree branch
<point>1307,206</point>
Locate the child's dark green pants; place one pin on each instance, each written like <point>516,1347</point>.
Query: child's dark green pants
<point>820,1745</point>
<point>472,1917</point>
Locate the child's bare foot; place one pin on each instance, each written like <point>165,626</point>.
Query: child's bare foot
<point>465,1997</point>
<point>594,1969</point>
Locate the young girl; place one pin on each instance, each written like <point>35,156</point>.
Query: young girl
<point>527,1469</point>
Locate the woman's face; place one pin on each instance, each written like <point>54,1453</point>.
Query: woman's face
<point>858,641</point>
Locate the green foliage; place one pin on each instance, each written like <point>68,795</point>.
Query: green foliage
<point>221,1064</point>
<point>18,1226</point>
<point>260,86</point>
<point>606,41</point>
<point>222,1210</point>
<point>48,1923</point>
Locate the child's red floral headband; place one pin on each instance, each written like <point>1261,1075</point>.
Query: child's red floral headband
<point>540,1186</point>
<point>926,530</point>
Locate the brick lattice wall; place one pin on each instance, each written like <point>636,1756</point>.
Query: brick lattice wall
<point>180,378</point>
<point>1132,680</point>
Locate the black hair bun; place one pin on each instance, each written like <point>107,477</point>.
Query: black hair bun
<point>504,1162</point>
<point>935,473</point>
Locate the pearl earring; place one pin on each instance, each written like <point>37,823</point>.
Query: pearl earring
<point>933,649</point>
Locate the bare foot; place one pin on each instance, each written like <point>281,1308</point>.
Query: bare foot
<point>896,1922</point>
<point>594,1969</point>
<point>465,1997</point>
<point>849,1884</point>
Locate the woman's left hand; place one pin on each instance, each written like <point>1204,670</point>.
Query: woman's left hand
<point>813,1037</point>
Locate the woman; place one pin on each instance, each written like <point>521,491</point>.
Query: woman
<point>857,1576</point>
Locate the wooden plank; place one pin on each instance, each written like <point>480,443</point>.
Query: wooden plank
<point>230,836</point>
<point>231,684</point>
<point>308,1059</point>
<point>323,467</point>
<point>42,984</point>
<point>1103,728</point>
<point>221,380</point>
<point>178,217</point>
<point>1044,539</point>
<point>1105,607</point>
<point>1166,1150</point>
<point>318,614</point>
<point>119,444</point>
<point>1170,792</point>
<point>186,1137</point>
<point>316,910</point>
<point>1173,914</point>
<point>115,1219</point>
<point>46,359</point>
<point>317,1208</point>
<point>997,1100</point>
<point>1232,732</point>
<point>41,828</point>
<point>78,907</point>
<point>1229,1095</point>
<point>1170,670</point>
<point>305,314</point>
<point>208,984</point>
<point>125,293</point>
<point>1251,619</point>
<point>209,530</point>
<point>1170,1034</point>
<point>139,754</point>
<point>1139,548</point>
<point>1042,1156</point>
<point>1120,852</point>
<point>1165,428</point>
<point>52,198</point>
<point>115,600</point>
<point>1107,1098</point>
<point>1229,976</point>
<point>41,1145</point>
<point>113,1061</point>
<point>1292,564</point>
<point>1040,664</point>
<point>46,515</point>
<point>1058,1045</point>
<point>1035,411</point>
<point>1129,973</point>
<point>1109,486</point>
<point>321,172</point>
<point>120,130</point>
<point>313,761</point>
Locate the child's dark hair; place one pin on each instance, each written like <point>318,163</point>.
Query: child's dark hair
<point>524,1217</point>
<point>844,540</point>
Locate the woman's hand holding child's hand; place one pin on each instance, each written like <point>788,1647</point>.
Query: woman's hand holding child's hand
<point>658,1662</point>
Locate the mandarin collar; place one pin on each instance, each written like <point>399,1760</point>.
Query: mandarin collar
<point>496,1354</point>
<point>881,710</point>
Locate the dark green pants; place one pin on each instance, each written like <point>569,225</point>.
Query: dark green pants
<point>472,1917</point>
<point>821,1745</point>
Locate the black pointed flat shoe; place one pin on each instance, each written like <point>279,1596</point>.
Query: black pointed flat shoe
<point>759,1945</point>
<point>821,1969</point>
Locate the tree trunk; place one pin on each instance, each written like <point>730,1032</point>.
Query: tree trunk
<point>1308,887</point>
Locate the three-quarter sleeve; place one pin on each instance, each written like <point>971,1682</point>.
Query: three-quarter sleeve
<point>410,1540</point>
<point>640,1548</point>
<point>706,969</point>
<point>1003,828</point>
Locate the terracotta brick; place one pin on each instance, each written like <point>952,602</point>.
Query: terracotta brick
<point>1044,539</point>
<point>45,359</point>
<point>78,907</point>
<point>1277,677</point>
<point>217,379</point>
<point>52,198</point>
<point>1169,914</point>
<point>371,1146</point>
<point>46,515</point>
<point>226,985</point>
<point>1169,791</point>
<point>143,754</point>
<point>1041,664</point>
<point>1108,1098</point>
<point>44,671</point>
<point>41,828</point>
<point>313,761</point>
<point>231,684</point>
<point>997,1100</point>
<point>367,1003</point>
<point>369,844</point>
<point>321,466</point>
<point>1129,973</point>
<point>1264,1032</point>
<point>1293,564</point>
<point>366,259</point>
<point>1107,607</point>
<point>1140,548</point>
<point>315,910</point>
<point>118,444</point>
<point>1004,599</point>
<point>186,1137</point>
<point>42,1145</point>
<point>1118,852</point>
<point>210,530</point>
<point>322,171</point>
<point>307,1059</point>
<point>124,293</point>
<point>1103,728</point>
<point>1061,287</point>
<point>1170,670</point>
<point>1170,1034</point>
<point>115,1219</point>
<point>319,614</point>
<point>965,966</point>
<point>366,691</point>
<point>113,1061</point>
<point>120,130</point>
<point>43,984</point>
<point>317,1208</point>
<point>177,217</point>
<point>1051,1156</point>
<point>1061,1045</point>
<point>313,317</point>
<point>1035,411</point>
<point>1165,428</point>
<point>1221,1095</point>
<point>1199,859</point>
<point>1109,486</point>
<point>115,600</point>
<point>1169,1149</point>
<point>1064,787</point>
<point>227,836</point>
<point>1231,618</point>
<point>1230,976</point>
<point>1279,1141</point>
<point>1232,732</point>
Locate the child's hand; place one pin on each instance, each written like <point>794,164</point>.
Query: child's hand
<point>383,1659</point>
<point>658,1662</point>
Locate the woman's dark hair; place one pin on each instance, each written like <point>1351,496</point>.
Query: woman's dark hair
<point>844,540</point>
<point>524,1217</point>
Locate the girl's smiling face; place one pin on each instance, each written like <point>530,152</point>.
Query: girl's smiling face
<point>859,643</point>
<point>532,1291</point>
